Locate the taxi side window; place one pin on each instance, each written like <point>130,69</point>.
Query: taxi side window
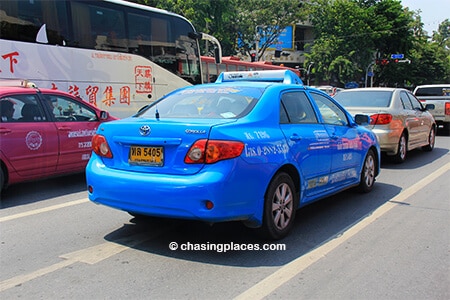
<point>405,101</point>
<point>21,108</point>
<point>295,108</point>
<point>415,103</point>
<point>68,110</point>
<point>331,113</point>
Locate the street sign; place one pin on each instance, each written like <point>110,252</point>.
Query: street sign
<point>397,56</point>
<point>351,85</point>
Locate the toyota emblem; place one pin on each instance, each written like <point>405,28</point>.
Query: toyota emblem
<point>145,130</point>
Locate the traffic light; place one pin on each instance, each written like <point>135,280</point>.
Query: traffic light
<point>382,61</point>
<point>253,57</point>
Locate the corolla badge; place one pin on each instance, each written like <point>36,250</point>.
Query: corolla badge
<point>145,130</point>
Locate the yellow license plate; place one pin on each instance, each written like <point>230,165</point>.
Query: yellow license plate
<point>153,156</point>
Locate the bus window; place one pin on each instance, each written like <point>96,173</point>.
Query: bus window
<point>139,33</point>
<point>232,68</point>
<point>98,27</point>
<point>212,72</point>
<point>21,20</point>
<point>222,68</point>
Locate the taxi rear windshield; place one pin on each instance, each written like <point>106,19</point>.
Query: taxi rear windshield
<point>205,102</point>
<point>433,91</point>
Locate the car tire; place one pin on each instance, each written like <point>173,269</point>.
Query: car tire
<point>367,180</point>
<point>400,157</point>
<point>280,204</point>
<point>431,141</point>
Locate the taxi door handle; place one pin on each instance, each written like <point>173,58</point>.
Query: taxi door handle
<point>64,128</point>
<point>5,131</point>
<point>295,137</point>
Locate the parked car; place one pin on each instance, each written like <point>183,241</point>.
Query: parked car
<point>399,120</point>
<point>245,148</point>
<point>44,132</point>
<point>439,95</point>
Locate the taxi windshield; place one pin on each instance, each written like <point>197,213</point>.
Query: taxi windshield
<point>212,102</point>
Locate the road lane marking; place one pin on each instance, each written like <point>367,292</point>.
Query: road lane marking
<point>97,253</point>
<point>272,282</point>
<point>42,210</point>
<point>91,255</point>
<point>18,280</point>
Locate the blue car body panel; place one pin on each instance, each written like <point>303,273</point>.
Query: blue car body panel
<point>322,158</point>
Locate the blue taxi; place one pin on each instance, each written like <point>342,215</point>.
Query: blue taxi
<point>252,147</point>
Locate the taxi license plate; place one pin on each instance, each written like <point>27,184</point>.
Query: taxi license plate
<point>153,156</point>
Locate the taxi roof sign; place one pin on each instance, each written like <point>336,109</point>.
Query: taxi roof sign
<point>283,76</point>
<point>17,83</point>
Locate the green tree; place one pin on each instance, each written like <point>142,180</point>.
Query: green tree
<point>343,46</point>
<point>357,32</point>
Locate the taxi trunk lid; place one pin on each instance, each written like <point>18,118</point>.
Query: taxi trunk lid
<point>155,146</point>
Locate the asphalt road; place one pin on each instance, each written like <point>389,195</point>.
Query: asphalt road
<point>393,243</point>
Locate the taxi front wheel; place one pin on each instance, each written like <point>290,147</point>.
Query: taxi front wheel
<point>431,141</point>
<point>279,207</point>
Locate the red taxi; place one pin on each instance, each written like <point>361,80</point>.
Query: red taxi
<point>44,132</point>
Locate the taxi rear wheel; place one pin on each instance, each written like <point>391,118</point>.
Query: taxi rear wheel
<point>368,173</point>
<point>401,150</point>
<point>279,207</point>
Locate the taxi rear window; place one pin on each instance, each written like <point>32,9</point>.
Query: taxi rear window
<point>206,102</point>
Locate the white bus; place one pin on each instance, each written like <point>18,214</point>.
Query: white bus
<point>114,54</point>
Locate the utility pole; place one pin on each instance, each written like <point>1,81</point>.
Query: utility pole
<point>367,74</point>
<point>308,71</point>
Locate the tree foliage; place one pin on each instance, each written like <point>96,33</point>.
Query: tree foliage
<point>358,32</point>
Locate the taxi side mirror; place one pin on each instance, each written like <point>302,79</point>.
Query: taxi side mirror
<point>362,119</point>
<point>104,115</point>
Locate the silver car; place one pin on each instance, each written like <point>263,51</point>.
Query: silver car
<point>399,120</point>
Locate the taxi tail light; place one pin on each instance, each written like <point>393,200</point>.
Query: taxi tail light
<point>380,119</point>
<point>211,151</point>
<point>100,146</point>
<point>447,108</point>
